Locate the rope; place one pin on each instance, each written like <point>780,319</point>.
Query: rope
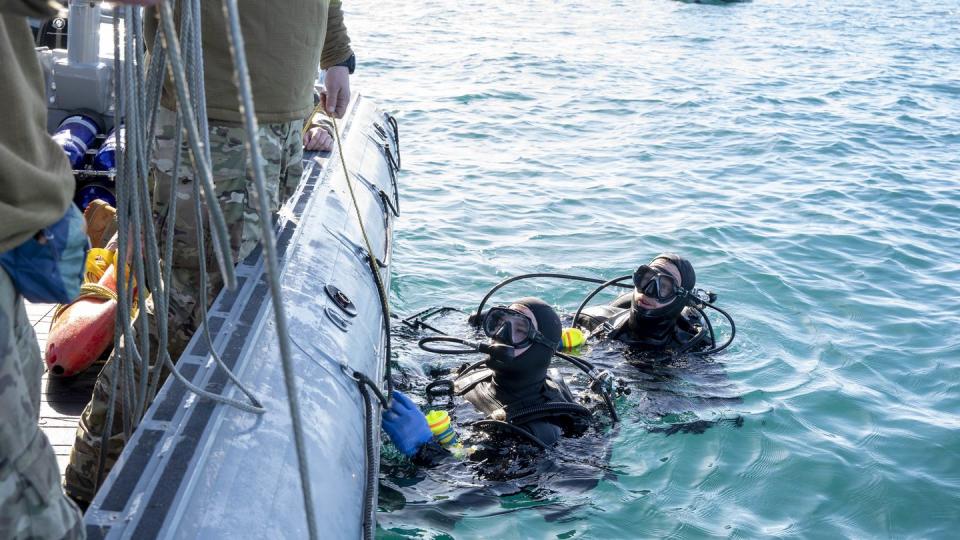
<point>242,78</point>
<point>117,330</point>
<point>87,291</point>
<point>201,161</point>
<point>371,259</point>
<point>369,522</point>
<point>369,492</point>
<point>136,99</point>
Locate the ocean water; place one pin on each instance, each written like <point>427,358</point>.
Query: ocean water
<point>804,154</point>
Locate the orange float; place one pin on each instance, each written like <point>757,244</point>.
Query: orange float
<point>83,330</point>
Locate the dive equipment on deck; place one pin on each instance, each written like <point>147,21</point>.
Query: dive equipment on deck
<point>82,330</point>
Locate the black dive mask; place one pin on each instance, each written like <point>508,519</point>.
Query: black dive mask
<point>657,324</point>
<point>510,327</point>
<point>521,375</point>
<point>655,284</point>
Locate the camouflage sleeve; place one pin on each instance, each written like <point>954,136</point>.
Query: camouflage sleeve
<point>336,45</point>
<point>40,9</point>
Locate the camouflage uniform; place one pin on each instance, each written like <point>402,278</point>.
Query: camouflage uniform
<point>282,148</point>
<point>31,503</point>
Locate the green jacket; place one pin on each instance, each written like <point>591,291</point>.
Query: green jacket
<point>36,184</point>
<point>284,40</point>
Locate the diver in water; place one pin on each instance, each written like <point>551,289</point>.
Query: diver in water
<point>513,389</point>
<point>658,315</point>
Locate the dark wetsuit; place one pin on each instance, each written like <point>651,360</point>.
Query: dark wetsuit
<point>479,388</point>
<point>530,419</point>
<point>687,333</point>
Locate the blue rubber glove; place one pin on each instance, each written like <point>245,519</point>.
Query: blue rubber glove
<point>406,425</point>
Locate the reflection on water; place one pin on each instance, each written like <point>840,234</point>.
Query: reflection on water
<point>803,154</point>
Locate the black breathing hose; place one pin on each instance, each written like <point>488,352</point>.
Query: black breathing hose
<point>733,331</point>
<point>475,318</point>
<point>603,285</point>
<point>511,428</point>
<point>537,411</point>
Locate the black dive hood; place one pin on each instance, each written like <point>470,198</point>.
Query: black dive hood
<point>521,377</point>
<point>656,325</point>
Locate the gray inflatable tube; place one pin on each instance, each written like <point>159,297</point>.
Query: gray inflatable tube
<point>199,469</point>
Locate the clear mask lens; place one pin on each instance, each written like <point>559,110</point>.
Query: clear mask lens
<point>508,326</point>
<point>655,284</point>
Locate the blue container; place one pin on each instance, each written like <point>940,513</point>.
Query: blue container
<point>90,192</point>
<point>106,158</point>
<point>75,135</point>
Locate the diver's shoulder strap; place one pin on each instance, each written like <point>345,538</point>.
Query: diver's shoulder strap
<point>466,382</point>
<point>617,324</point>
<point>592,317</point>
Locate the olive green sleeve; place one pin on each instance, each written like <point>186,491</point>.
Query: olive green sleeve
<point>36,184</point>
<point>39,9</point>
<point>336,46</point>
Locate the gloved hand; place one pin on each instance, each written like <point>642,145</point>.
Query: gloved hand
<point>406,425</point>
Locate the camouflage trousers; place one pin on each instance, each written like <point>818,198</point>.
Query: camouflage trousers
<point>32,504</point>
<point>282,148</point>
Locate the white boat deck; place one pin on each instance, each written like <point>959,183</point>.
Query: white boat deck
<point>61,400</point>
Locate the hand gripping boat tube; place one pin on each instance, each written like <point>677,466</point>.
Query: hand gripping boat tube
<point>199,469</point>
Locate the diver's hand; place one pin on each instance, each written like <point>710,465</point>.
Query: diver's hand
<point>406,425</point>
<point>336,95</point>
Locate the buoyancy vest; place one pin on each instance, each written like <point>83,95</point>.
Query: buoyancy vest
<point>611,321</point>
<point>546,415</point>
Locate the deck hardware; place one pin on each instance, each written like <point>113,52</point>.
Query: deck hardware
<point>336,318</point>
<point>342,300</point>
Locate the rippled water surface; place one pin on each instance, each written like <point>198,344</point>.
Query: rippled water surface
<point>803,154</point>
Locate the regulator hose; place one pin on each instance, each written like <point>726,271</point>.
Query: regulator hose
<point>733,331</point>
<point>535,412</point>
<point>604,285</point>
<point>477,317</point>
<point>516,430</point>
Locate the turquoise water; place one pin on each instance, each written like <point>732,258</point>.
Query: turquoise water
<point>803,154</point>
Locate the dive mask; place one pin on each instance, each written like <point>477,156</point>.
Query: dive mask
<point>656,284</point>
<point>510,327</point>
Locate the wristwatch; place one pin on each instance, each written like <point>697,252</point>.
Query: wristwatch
<point>350,63</point>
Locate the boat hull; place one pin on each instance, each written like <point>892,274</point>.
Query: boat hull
<point>199,469</point>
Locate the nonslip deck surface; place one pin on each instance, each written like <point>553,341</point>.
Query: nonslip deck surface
<point>61,399</point>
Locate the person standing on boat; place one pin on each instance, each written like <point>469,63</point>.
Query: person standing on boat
<point>514,389</point>
<point>285,43</point>
<point>42,250</point>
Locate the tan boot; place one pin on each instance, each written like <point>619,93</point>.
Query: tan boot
<point>101,221</point>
